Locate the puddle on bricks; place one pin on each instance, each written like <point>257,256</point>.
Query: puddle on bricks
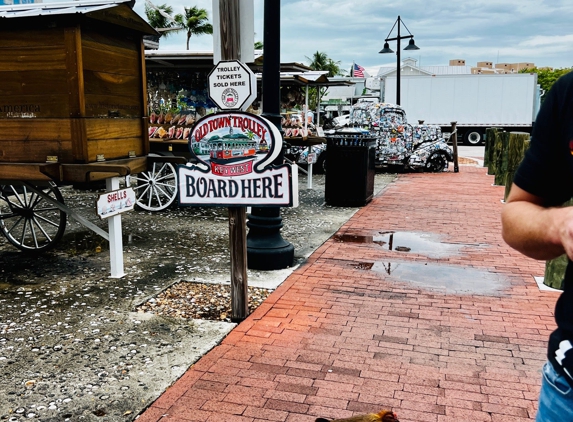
<point>446,279</point>
<point>427,244</point>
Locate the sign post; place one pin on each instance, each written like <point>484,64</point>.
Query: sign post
<point>115,234</point>
<point>236,153</point>
<point>230,43</point>
<point>227,145</point>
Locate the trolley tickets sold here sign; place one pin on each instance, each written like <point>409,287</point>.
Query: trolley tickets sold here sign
<point>232,85</point>
<point>234,151</point>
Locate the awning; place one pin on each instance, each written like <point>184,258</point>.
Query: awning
<point>308,78</point>
<point>66,8</point>
<point>202,60</point>
<point>122,15</point>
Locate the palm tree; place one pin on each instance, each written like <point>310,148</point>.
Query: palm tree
<point>321,61</point>
<point>317,61</point>
<point>194,22</point>
<point>159,17</point>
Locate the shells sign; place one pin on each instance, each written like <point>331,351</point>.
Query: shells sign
<point>234,152</point>
<point>116,202</point>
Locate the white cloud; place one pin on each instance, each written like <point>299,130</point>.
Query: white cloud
<point>544,41</point>
<point>537,31</point>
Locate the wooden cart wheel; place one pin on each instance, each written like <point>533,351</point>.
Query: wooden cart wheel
<point>156,189</point>
<point>29,221</point>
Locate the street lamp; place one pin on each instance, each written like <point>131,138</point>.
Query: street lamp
<point>387,49</point>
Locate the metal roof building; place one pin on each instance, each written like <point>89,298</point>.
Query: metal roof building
<point>64,8</point>
<point>11,2</point>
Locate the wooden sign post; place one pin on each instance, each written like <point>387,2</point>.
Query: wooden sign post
<point>236,153</point>
<point>454,137</point>
<point>229,18</point>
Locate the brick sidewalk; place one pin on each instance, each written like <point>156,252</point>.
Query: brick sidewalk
<point>339,338</point>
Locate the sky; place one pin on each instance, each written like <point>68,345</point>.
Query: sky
<point>499,31</point>
<point>353,31</point>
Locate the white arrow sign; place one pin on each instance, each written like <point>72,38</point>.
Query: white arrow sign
<point>115,202</point>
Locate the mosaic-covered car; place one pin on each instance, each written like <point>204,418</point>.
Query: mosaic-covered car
<point>413,147</point>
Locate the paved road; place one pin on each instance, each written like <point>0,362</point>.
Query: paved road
<point>466,151</point>
<point>471,152</point>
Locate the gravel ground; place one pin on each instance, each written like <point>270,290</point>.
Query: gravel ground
<point>78,345</point>
<point>200,300</point>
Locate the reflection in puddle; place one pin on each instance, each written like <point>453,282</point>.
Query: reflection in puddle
<point>446,278</point>
<point>354,238</point>
<point>428,244</point>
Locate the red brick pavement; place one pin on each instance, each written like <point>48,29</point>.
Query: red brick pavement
<point>338,339</point>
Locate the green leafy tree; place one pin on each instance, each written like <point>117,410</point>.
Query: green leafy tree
<point>321,61</point>
<point>160,19</point>
<point>546,77</point>
<point>194,22</point>
<point>258,45</point>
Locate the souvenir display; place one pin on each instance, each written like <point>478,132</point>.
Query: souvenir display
<point>294,126</point>
<point>176,100</point>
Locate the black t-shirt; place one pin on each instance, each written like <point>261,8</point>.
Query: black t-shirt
<point>547,171</point>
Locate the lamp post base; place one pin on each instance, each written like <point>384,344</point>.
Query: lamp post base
<point>266,249</point>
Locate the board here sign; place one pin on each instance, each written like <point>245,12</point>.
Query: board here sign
<point>235,152</point>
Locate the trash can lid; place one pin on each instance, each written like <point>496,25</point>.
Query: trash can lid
<point>351,131</point>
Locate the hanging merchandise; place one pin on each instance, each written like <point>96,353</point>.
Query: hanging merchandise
<point>176,100</point>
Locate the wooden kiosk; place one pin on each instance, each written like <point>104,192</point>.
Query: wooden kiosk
<point>73,109</point>
<point>72,87</point>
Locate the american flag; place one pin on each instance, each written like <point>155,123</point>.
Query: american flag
<point>358,71</point>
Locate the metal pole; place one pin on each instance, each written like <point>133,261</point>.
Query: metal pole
<point>306,108</point>
<point>309,174</point>
<point>266,249</point>
<point>398,65</point>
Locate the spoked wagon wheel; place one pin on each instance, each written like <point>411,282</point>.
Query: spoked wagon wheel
<point>156,189</point>
<point>29,221</point>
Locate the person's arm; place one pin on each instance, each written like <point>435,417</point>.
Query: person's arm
<point>534,230</point>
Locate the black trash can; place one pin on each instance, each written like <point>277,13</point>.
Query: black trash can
<point>350,169</point>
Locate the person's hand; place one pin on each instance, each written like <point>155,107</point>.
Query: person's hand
<point>564,224</point>
<point>535,230</point>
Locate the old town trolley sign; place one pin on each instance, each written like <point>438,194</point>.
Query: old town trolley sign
<point>234,152</point>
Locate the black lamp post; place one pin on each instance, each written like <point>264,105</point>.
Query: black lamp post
<point>387,49</point>
<point>266,249</point>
